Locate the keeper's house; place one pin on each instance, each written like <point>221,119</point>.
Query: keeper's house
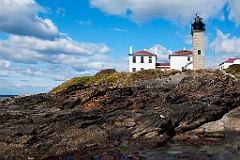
<point>229,62</point>
<point>141,60</point>
<point>181,60</point>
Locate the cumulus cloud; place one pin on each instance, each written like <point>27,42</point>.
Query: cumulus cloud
<point>4,64</point>
<point>234,11</point>
<point>162,52</point>
<point>57,60</point>
<point>35,50</point>
<point>144,10</point>
<point>21,18</point>
<point>225,47</point>
<point>224,44</point>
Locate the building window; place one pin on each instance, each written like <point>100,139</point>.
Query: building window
<point>142,69</point>
<point>150,59</point>
<point>183,69</point>
<point>134,59</point>
<point>142,59</point>
<point>199,52</point>
<point>134,69</point>
<point>188,58</point>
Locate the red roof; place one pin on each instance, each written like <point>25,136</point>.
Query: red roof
<point>231,60</point>
<point>183,53</point>
<point>163,65</point>
<point>144,53</point>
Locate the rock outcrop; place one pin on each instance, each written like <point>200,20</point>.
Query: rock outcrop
<point>145,114</point>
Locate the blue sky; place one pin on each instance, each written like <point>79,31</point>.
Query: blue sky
<point>43,43</point>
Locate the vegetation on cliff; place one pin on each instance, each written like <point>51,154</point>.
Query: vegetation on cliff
<point>123,79</point>
<point>234,69</point>
<point>112,78</point>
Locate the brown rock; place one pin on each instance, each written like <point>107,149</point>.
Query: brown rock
<point>129,122</point>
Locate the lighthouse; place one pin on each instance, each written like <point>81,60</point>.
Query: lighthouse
<point>198,31</point>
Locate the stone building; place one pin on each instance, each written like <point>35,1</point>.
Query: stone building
<point>198,43</point>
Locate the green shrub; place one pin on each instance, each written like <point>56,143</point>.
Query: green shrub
<point>111,78</point>
<point>217,134</point>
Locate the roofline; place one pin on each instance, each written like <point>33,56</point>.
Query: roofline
<point>181,55</point>
<point>142,54</point>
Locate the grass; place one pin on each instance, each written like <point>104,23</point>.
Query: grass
<point>109,76</point>
<point>123,79</point>
<point>234,69</point>
<point>71,82</point>
<point>217,134</point>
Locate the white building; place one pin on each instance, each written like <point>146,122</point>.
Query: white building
<point>141,60</point>
<point>228,63</point>
<point>181,60</point>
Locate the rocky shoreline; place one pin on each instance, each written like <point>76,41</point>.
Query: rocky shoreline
<point>144,115</point>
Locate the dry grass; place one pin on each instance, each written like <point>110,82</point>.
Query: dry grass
<point>234,69</point>
<point>111,77</point>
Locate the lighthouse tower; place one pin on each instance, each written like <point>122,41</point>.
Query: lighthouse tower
<point>197,31</point>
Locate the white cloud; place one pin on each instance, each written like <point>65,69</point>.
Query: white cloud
<point>144,10</point>
<point>60,11</point>
<point>225,47</point>
<point>5,64</point>
<point>119,30</point>
<point>222,17</point>
<point>234,11</point>
<point>162,53</point>
<point>87,22</point>
<point>224,44</point>
<point>54,60</point>
<point>21,18</point>
<point>35,50</point>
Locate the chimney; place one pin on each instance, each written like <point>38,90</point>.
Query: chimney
<point>131,49</point>
<point>184,48</point>
<point>145,49</point>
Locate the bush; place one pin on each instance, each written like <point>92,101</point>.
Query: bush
<point>234,69</point>
<point>173,71</point>
<point>148,74</point>
<point>104,72</point>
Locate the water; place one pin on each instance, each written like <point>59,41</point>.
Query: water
<point>212,149</point>
<point>7,96</point>
<point>195,152</point>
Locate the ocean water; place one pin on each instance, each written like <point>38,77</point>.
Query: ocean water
<point>7,96</point>
<point>180,151</point>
